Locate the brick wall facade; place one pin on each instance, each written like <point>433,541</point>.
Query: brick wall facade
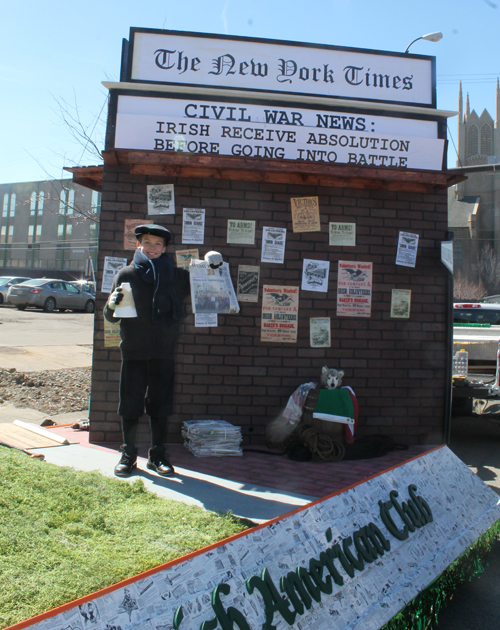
<point>395,366</point>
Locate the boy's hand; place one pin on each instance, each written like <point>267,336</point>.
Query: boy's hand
<point>214,259</point>
<point>115,298</point>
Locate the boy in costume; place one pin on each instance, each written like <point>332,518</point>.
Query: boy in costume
<point>148,342</point>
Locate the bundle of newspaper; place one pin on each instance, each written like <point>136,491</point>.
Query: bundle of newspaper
<point>211,438</point>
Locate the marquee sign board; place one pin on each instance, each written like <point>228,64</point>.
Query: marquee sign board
<point>196,59</point>
<point>353,559</point>
<point>271,132</point>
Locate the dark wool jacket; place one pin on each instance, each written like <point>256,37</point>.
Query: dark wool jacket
<point>141,338</point>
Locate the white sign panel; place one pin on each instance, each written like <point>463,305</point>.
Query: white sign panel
<point>351,560</point>
<point>266,65</point>
<point>447,254</point>
<point>152,128</point>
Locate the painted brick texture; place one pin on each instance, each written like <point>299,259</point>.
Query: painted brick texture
<point>395,366</point>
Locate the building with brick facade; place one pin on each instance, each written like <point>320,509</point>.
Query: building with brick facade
<point>157,134</point>
<point>48,228</point>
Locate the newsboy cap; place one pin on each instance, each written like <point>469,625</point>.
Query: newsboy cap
<point>154,230</point>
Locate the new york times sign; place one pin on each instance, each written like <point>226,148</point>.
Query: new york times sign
<point>272,66</point>
<point>350,560</point>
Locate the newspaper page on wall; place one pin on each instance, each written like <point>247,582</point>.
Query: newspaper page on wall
<point>319,332</point>
<point>161,199</point>
<point>400,303</point>
<point>315,275</point>
<point>305,214</point>
<point>212,290</point>
<point>280,313</point>
<point>129,238</point>
<point>273,245</point>
<point>112,266</point>
<point>183,257</point>
<point>248,283</point>
<point>354,289</point>
<point>342,234</point>
<point>241,232</point>
<point>407,249</point>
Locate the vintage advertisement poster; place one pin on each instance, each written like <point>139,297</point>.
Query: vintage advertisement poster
<point>400,303</point>
<point>112,266</point>
<point>248,283</point>
<point>273,245</point>
<point>354,289</point>
<point>161,199</point>
<point>305,214</point>
<point>193,225</point>
<point>183,257</point>
<point>129,239</point>
<point>280,313</point>
<point>205,320</point>
<point>342,234</point>
<point>242,232</point>
<point>111,334</point>
<point>211,289</point>
<point>319,332</point>
<point>407,249</point>
<point>315,275</point>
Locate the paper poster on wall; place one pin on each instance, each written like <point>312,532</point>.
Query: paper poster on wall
<point>183,257</point>
<point>193,225</point>
<point>407,249</point>
<point>112,266</point>
<point>161,199</point>
<point>315,275</point>
<point>400,303</point>
<point>342,234</point>
<point>111,334</point>
<point>248,283</point>
<point>319,332</point>
<point>205,320</point>
<point>242,232</point>
<point>273,245</point>
<point>280,312</point>
<point>354,289</point>
<point>212,290</point>
<point>129,238</point>
<point>305,214</point>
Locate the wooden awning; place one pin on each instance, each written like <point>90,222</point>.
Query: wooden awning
<point>177,164</point>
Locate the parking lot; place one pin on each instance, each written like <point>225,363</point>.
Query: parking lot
<point>33,340</point>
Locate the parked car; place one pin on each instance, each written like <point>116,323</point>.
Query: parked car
<point>476,313</point>
<point>50,294</point>
<point>85,285</point>
<point>6,282</point>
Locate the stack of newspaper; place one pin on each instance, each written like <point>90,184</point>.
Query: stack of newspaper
<point>212,438</point>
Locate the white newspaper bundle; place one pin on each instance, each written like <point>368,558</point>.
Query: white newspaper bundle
<point>212,438</point>
<point>212,290</point>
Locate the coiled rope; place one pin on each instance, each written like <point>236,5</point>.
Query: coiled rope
<point>323,447</point>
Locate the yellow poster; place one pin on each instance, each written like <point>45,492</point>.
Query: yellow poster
<point>111,334</point>
<point>305,214</point>
<point>280,313</point>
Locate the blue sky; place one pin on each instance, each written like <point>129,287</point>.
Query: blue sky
<point>57,51</point>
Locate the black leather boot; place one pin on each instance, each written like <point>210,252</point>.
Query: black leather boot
<point>158,461</point>
<point>128,461</point>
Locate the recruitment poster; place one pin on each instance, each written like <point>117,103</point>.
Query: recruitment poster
<point>193,225</point>
<point>129,238</point>
<point>407,249</point>
<point>241,232</point>
<point>280,312</point>
<point>183,257</point>
<point>111,334</point>
<point>354,289</point>
<point>273,245</point>
<point>342,234</point>
<point>305,214</point>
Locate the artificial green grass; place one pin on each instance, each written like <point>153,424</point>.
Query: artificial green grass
<point>65,533</point>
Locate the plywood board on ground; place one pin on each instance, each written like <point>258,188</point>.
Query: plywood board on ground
<point>18,437</point>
